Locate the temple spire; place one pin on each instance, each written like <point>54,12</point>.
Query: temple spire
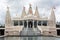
<point>30,10</point>
<point>52,16</point>
<point>8,18</point>
<point>36,12</point>
<point>23,12</point>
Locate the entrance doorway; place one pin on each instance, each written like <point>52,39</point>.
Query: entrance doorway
<point>30,24</point>
<point>1,31</point>
<point>58,32</point>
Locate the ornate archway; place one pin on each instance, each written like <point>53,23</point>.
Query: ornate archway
<point>30,24</point>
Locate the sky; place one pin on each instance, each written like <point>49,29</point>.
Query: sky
<point>16,6</point>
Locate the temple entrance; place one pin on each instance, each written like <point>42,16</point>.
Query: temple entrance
<point>29,30</point>
<point>58,32</point>
<point>1,32</point>
<point>25,24</point>
<point>30,24</point>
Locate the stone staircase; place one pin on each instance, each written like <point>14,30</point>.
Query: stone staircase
<point>30,31</point>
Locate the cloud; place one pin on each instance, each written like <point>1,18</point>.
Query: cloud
<point>48,3</point>
<point>16,6</point>
<point>3,4</point>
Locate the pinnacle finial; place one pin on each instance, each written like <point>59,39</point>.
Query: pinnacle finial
<point>36,8</point>
<point>16,14</point>
<point>30,5</point>
<point>7,8</point>
<point>53,7</point>
<point>23,8</point>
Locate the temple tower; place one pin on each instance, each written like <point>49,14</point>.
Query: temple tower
<point>8,18</point>
<point>52,23</point>
<point>36,12</point>
<point>23,12</point>
<point>52,19</point>
<point>30,10</point>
